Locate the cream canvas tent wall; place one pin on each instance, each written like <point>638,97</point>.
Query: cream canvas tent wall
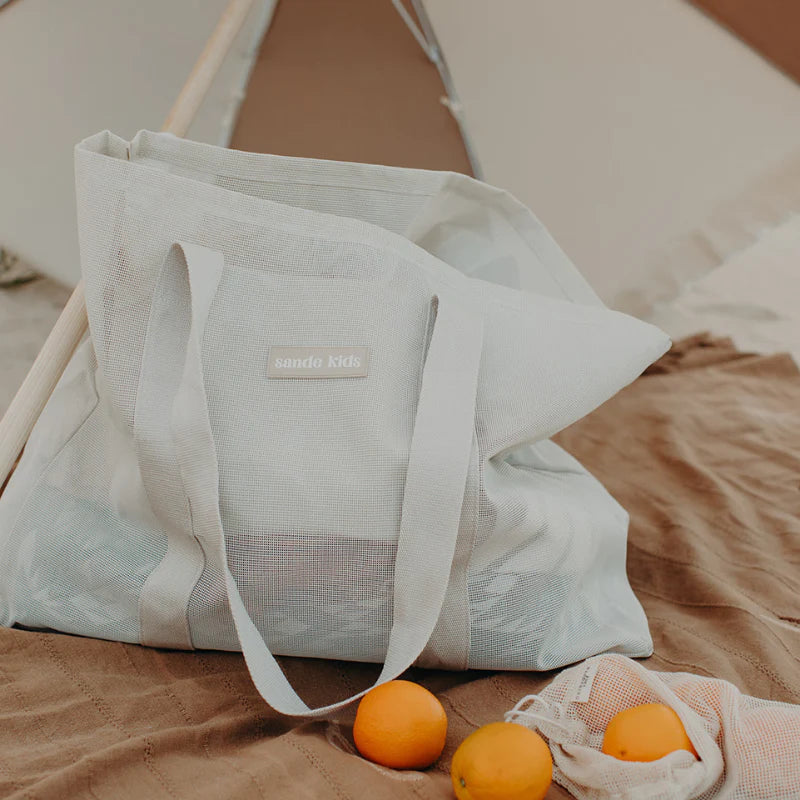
<point>70,69</point>
<point>644,135</point>
<point>660,115</point>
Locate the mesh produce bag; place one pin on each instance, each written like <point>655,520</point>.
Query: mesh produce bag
<point>312,419</point>
<point>749,749</point>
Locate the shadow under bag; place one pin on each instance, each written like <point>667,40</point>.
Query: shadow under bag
<point>312,418</point>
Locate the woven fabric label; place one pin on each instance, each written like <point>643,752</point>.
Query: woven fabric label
<point>583,691</point>
<point>318,362</point>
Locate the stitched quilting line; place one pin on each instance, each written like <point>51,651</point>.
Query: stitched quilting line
<point>13,781</point>
<point>420,788</point>
<point>496,683</point>
<point>715,526</point>
<point>761,667</point>
<point>754,616</point>
<point>26,707</point>
<point>417,790</point>
<point>640,587</point>
<point>45,732</point>
<point>684,665</point>
<point>713,476</point>
<point>438,766</point>
<point>104,712</point>
<point>459,712</point>
<point>348,683</point>
<point>719,485</point>
<point>206,734</point>
<point>719,529</point>
<point>259,719</point>
<point>319,766</point>
<point>42,730</point>
<point>713,522</point>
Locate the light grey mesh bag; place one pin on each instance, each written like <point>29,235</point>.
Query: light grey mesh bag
<point>747,748</point>
<point>312,418</point>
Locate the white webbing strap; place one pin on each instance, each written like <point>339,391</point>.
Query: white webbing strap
<point>434,489</point>
<point>167,591</point>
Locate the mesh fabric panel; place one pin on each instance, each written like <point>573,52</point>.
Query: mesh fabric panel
<point>748,748</point>
<point>79,558</point>
<point>311,473</point>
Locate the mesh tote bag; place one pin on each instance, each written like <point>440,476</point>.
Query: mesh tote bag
<point>748,748</point>
<point>312,418</point>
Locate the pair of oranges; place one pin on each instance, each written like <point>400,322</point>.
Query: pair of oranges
<point>402,725</point>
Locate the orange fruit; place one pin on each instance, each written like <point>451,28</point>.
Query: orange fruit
<point>646,733</point>
<point>502,761</point>
<point>400,724</point>
<point>604,698</point>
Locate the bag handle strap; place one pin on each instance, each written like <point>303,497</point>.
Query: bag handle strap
<point>435,483</point>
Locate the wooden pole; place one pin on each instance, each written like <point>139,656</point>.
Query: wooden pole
<point>70,327</point>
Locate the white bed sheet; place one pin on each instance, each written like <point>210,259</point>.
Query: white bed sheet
<point>753,296</point>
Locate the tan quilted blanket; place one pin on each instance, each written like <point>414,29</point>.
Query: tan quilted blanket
<point>704,451</point>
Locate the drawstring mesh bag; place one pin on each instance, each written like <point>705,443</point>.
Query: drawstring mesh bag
<point>749,749</point>
<point>312,418</point>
